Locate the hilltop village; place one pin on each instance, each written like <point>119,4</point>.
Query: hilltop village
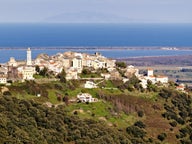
<point>79,94</point>
<point>73,63</point>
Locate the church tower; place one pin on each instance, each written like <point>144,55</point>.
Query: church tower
<point>29,62</point>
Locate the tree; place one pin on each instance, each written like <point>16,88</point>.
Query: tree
<point>37,69</point>
<point>62,76</point>
<point>140,113</point>
<point>121,64</point>
<point>43,72</point>
<point>162,136</point>
<point>85,71</point>
<point>136,131</point>
<point>139,124</point>
<point>66,99</point>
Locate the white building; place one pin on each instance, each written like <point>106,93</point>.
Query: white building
<point>3,79</point>
<point>106,75</point>
<point>99,64</point>
<point>12,62</point>
<point>85,97</point>
<point>77,64</point>
<point>152,78</point>
<point>29,61</point>
<point>28,73</point>
<point>28,70</point>
<point>162,79</point>
<point>150,72</point>
<point>143,82</point>
<point>90,84</point>
<point>55,66</point>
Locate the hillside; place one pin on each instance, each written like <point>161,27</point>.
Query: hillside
<point>125,113</point>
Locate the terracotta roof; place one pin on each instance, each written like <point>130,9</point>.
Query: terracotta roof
<point>150,69</point>
<point>161,76</point>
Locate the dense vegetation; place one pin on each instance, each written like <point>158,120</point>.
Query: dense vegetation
<point>178,108</point>
<point>125,113</point>
<point>29,122</point>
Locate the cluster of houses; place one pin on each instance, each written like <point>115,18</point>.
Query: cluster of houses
<point>17,71</point>
<point>73,64</point>
<point>154,79</point>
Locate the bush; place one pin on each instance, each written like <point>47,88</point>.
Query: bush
<point>75,113</point>
<point>136,131</point>
<point>140,113</point>
<point>58,87</point>
<point>6,93</point>
<point>121,64</point>
<point>162,136</point>
<point>139,124</point>
<point>66,99</point>
<point>173,124</point>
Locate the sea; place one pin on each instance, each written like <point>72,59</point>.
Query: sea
<point>111,40</point>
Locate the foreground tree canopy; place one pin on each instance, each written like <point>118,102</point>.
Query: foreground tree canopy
<point>29,122</point>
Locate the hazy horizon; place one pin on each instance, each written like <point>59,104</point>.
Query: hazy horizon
<point>95,11</point>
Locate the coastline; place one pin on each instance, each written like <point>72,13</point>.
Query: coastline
<point>119,53</point>
<point>100,48</point>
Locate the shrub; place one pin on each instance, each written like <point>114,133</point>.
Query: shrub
<point>121,64</point>
<point>66,99</point>
<point>139,124</point>
<point>6,93</point>
<point>58,87</point>
<point>136,131</point>
<point>173,124</point>
<point>140,113</point>
<point>75,113</point>
<point>162,136</point>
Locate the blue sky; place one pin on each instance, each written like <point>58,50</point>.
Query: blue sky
<point>96,11</point>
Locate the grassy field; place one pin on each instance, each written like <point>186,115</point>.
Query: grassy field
<point>101,111</point>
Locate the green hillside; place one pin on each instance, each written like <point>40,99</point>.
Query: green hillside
<point>124,113</point>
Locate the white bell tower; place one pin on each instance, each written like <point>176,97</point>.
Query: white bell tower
<point>29,62</point>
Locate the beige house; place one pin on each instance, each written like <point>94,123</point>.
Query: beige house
<point>66,63</point>
<point>71,74</point>
<point>12,62</point>
<point>106,75</point>
<point>3,79</point>
<point>28,73</point>
<point>181,87</point>
<point>110,63</point>
<point>130,71</point>
<point>115,75</point>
